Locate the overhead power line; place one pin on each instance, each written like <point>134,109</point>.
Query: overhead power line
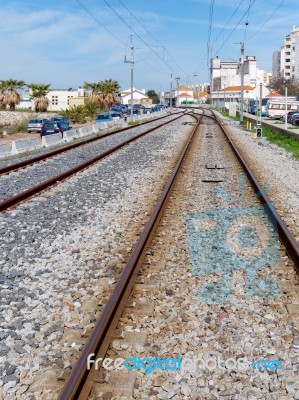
<point>110,32</point>
<point>141,39</point>
<point>267,20</point>
<point>210,29</point>
<point>100,23</point>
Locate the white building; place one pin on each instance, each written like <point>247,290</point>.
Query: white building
<point>228,73</point>
<point>285,62</point>
<point>64,98</point>
<point>139,97</point>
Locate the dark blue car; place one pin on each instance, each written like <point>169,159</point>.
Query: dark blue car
<point>51,127</point>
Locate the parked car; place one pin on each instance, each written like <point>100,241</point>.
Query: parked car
<point>59,118</point>
<point>136,111</point>
<point>289,115</point>
<point>296,121</point>
<point>147,110</point>
<point>103,117</point>
<point>51,127</point>
<point>156,108</point>
<point>35,125</point>
<point>292,117</point>
<point>116,109</point>
<point>116,115</point>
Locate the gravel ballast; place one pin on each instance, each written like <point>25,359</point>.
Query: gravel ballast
<point>61,254</point>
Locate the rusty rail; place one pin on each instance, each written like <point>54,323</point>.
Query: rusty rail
<point>98,342</point>
<point>285,235</point>
<point>26,194</point>
<point>15,166</point>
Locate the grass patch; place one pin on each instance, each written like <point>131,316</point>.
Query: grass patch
<point>18,127</point>
<point>288,143</point>
<point>135,122</point>
<point>226,114</point>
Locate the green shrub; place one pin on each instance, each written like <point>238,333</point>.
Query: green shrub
<point>18,127</point>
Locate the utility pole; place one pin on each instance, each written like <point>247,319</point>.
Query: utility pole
<point>286,108</point>
<point>170,97</point>
<point>242,84</point>
<point>177,84</point>
<point>132,75</point>
<point>261,100</point>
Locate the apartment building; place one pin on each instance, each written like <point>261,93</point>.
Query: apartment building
<point>228,73</point>
<point>285,61</point>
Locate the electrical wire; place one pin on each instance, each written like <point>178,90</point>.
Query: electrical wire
<point>247,20</point>
<point>100,23</point>
<point>148,32</point>
<point>141,39</point>
<point>210,29</point>
<point>222,30</point>
<point>111,33</point>
<point>267,20</point>
<point>236,26</point>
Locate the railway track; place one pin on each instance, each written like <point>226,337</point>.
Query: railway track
<point>14,166</point>
<point>191,289</point>
<point>37,174</point>
<point>62,252</point>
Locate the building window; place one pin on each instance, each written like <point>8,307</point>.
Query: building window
<point>54,100</point>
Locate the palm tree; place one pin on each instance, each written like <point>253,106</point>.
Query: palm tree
<point>109,90</point>
<point>103,93</point>
<point>91,109</point>
<point>12,97</point>
<point>3,87</point>
<point>75,114</point>
<point>38,92</point>
<point>94,87</point>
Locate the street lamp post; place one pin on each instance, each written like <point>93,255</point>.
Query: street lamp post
<point>177,97</point>
<point>286,110</point>
<point>132,76</point>
<point>170,93</point>
<point>261,97</point>
<point>242,83</point>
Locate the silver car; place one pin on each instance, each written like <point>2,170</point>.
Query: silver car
<point>35,125</point>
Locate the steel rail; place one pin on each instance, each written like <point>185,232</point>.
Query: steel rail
<point>26,194</point>
<point>98,342</point>
<point>15,166</point>
<point>284,233</point>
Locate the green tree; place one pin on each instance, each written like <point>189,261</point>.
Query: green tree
<point>91,110</point>
<point>12,97</point>
<point>75,114</point>
<point>103,93</point>
<point>38,92</point>
<point>94,88</point>
<point>153,95</point>
<point>108,95</point>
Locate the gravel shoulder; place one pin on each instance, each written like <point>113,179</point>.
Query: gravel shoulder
<point>61,255</point>
<point>277,170</point>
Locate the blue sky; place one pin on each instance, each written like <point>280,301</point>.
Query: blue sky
<point>67,42</point>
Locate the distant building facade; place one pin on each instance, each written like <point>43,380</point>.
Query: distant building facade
<point>285,61</point>
<point>228,73</point>
<point>139,97</point>
<point>64,98</point>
